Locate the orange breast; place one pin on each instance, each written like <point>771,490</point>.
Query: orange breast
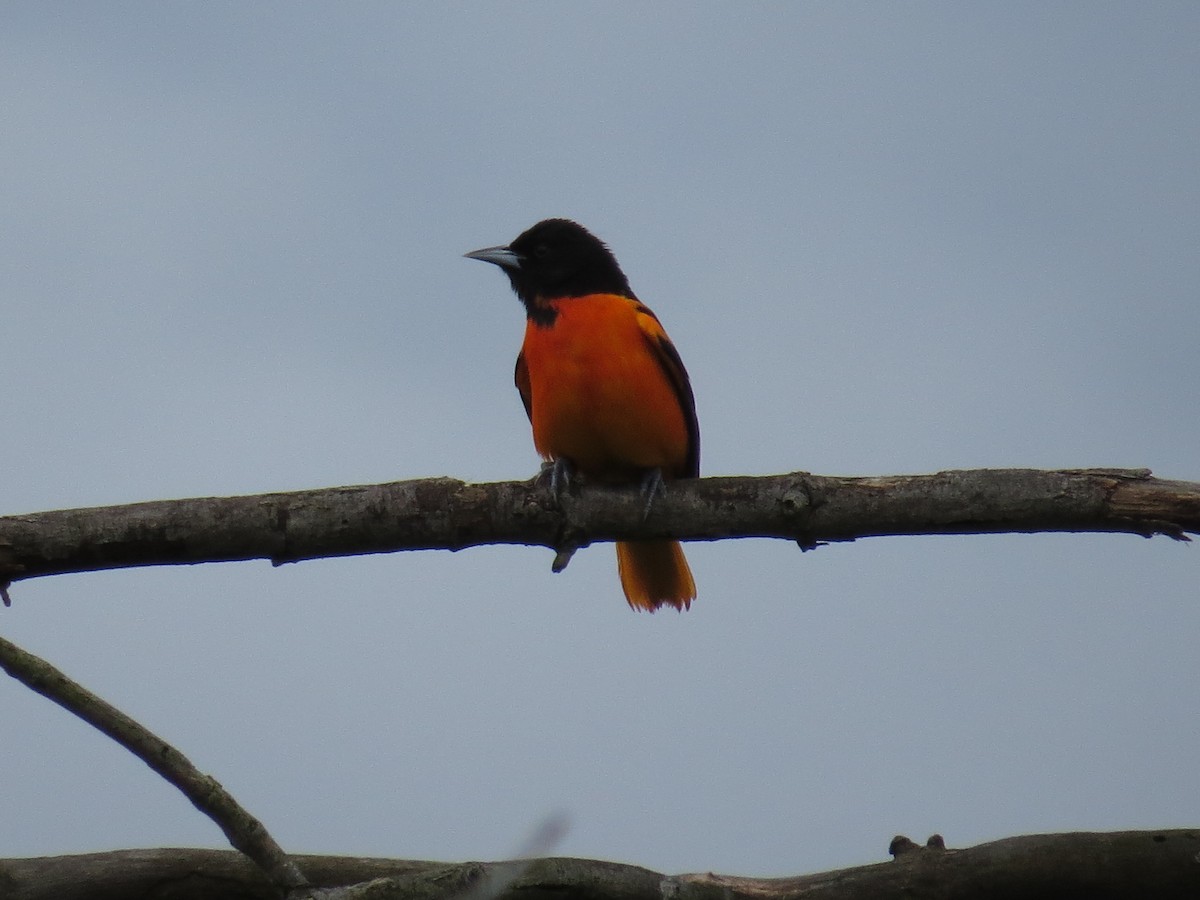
<point>599,395</point>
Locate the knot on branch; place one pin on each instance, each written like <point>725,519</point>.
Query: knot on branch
<point>903,846</point>
<point>797,502</point>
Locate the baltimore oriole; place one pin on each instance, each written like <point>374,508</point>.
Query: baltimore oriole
<point>603,386</point>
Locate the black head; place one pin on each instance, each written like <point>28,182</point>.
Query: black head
<point>557,258</point>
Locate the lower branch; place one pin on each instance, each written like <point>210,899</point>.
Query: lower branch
<point>447,514</point>
<point>1130,865</point>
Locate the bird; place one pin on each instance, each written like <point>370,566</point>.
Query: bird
<point>605,391</point>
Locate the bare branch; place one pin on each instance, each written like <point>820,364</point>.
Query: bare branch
<point>244,831</point>
<point>442,513</point>
<point>1104,866</point>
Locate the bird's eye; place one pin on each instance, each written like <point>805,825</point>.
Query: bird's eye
<point>541,251</point>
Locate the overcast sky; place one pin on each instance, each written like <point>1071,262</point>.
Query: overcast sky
<point>886,238</point>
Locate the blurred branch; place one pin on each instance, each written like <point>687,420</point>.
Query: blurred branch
<point>244,831</point>
<point>1112,866</point>
<point>442,513</point>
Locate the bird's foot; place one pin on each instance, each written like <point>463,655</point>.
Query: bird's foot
<point>559,474</point>
<point>653,485</point>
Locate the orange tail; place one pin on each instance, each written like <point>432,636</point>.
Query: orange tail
<point>654,574</point>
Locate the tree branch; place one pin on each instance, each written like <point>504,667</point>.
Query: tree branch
<point>1109,866</point>
<point>244,831</point>
<point>442,513</point>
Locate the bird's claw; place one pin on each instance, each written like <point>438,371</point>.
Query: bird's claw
<point>559,472</point>
<point>653,484</point>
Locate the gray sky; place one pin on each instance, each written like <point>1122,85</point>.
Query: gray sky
<point>885,239</point>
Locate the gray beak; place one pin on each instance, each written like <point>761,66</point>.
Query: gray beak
<point>500,256</point>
